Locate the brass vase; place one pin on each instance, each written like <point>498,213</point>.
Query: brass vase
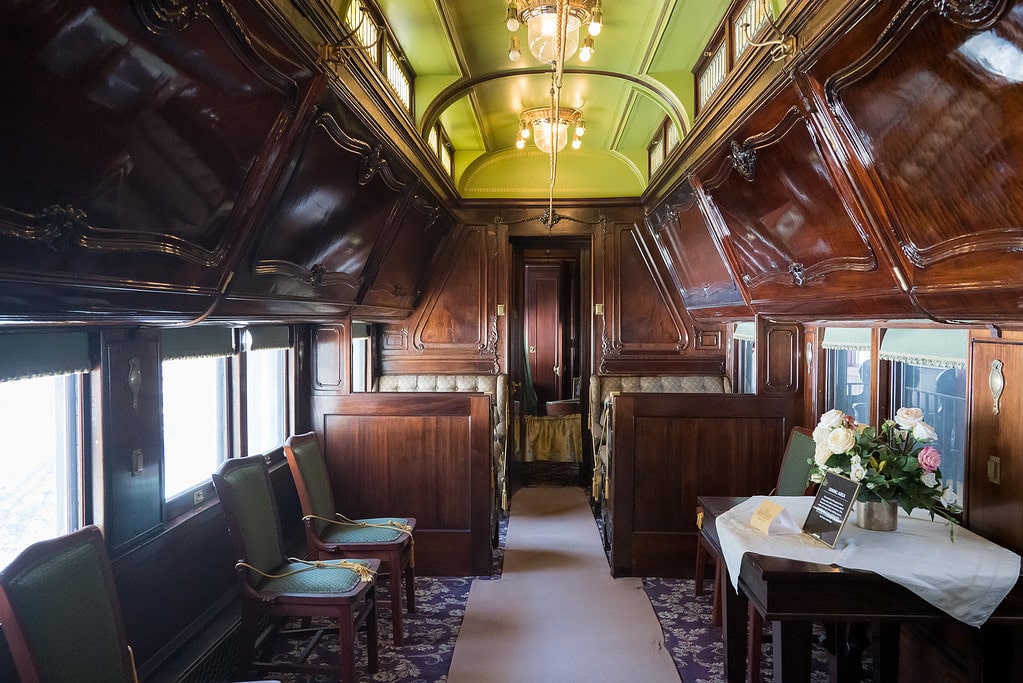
<point>877,515</point>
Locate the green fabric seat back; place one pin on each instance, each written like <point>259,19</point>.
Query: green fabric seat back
<point>246,489</point>
<point>67,616</point>
<point>795,465</point>
<point>313,471</point>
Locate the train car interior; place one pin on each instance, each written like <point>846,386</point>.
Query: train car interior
<point>464,340</point>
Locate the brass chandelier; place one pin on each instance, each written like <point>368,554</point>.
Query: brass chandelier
<point>549,128</point>
<point>541,20</point>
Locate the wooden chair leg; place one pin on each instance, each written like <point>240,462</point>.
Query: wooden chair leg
<point>754,645</point>
<point>719,585</point>
<point>701,564</point>
<point>410,589</point>
<point>394,572</point>
<point>346,640</point>
<point>372,633</point>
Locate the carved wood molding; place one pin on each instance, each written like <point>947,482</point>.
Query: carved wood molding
<point>970,14</point>
<point>317,276</point>
<point>65,227</point>
<point>371,162</point>
<point>794,272</point>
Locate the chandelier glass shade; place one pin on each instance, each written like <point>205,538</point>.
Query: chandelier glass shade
<point>541,20</point>
<point>550,129</point>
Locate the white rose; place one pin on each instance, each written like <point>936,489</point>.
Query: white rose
<point>821,454</point>
<point>841,440</point>
<point>949,497</point>
<point>821,434</point>
<point>908,417</point>
<point>856,472</point>
<point>832,418</point>
<point>929,480</point>
<point>817,478</point>
<point>924,432</point>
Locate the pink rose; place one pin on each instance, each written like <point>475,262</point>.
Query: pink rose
<point>929,458</point>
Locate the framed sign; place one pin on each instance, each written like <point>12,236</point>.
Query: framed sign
<point>830,508</point>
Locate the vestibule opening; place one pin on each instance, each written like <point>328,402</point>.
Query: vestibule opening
<point>549,338</point>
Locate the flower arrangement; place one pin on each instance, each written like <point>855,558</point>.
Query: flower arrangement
<point>894,462</point>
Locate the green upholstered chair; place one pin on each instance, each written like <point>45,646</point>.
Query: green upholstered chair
<point>60,613</point>
<point>793,480</point>
<point>331,535</point>
<point>277,586</point>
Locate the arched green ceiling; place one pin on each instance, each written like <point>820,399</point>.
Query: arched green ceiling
<point>640,73</point>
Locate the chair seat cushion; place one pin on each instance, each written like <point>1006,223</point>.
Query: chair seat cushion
<point>377,532</point>
<point>300,577</point>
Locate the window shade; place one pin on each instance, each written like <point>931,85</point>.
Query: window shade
<point>942,348</point>
<point>847,338</point>
<point>745,332</point>
<point>40,354</point>
<point>196,342</point>
<point>272,337</point>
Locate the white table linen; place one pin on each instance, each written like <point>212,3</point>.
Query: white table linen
<point>967,578</point>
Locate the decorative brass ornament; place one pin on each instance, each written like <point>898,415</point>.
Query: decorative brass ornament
<point>996,382</point>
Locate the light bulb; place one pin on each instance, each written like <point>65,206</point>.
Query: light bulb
<point>513,18</point>
<point>514,52</point>
<point>520,143</point>
<point>523,130</point>
<point>577,143</point>
<point>587,50</point>
<point>580,128</point>
<point>596,21</point>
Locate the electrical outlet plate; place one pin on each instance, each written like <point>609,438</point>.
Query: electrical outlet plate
<point>198,497</point>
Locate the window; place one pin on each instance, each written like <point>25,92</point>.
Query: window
<point>370,30</point>
<point>928,371</point>
<point>665,139</point>
<point>744,338</point>
<point>42,423</point>
<point>267,390</point>
<point>848,370</point>
<point>195,418</point>
<point>362,356</point>
<point>40,473</point>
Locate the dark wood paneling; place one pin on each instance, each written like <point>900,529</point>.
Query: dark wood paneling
<point>455,327</point>
<point>129,132</point>
<point>995,509</point>
<point>421,455</point>
<point>694,259</point>
<point>930,120</point>
<point>671,448</point>
<point>795,241</point>
<point>132,443</point>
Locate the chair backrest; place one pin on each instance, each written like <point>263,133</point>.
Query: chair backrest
<point>247,499</point>
<point>795,465</point>
<point>310,473</point>
<point>60,612</point>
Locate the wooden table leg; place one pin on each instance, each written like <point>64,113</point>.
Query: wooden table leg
<point>791,644</point>
<point>885,651</point>
<point>735,611</point>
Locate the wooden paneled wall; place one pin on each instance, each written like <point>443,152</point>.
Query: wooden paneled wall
<point>670,448</point>
<point>426,456</point>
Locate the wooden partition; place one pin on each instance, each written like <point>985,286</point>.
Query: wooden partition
<point>670,448</point>
<point>424,455</point>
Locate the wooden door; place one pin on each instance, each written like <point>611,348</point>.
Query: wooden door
<point>544,331</point>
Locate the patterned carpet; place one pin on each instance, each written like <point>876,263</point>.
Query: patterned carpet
<point>695,644</point>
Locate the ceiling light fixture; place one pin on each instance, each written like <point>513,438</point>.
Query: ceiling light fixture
<point>541,20</point>
<point>550,130</point>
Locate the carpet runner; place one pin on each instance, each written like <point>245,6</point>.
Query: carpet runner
<point>556,614</point>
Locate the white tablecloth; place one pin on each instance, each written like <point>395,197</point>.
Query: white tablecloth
<point>967,578</point>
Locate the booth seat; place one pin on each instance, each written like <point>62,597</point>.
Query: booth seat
<point>496,386</point>
<point>602,388</point>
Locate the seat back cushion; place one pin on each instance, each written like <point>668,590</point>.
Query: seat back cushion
<point>247,498</point>
<point>67,617</point>
<point>313,471</point>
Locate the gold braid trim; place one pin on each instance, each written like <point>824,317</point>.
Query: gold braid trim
<point>364,572</point>
<point>391,524</point>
